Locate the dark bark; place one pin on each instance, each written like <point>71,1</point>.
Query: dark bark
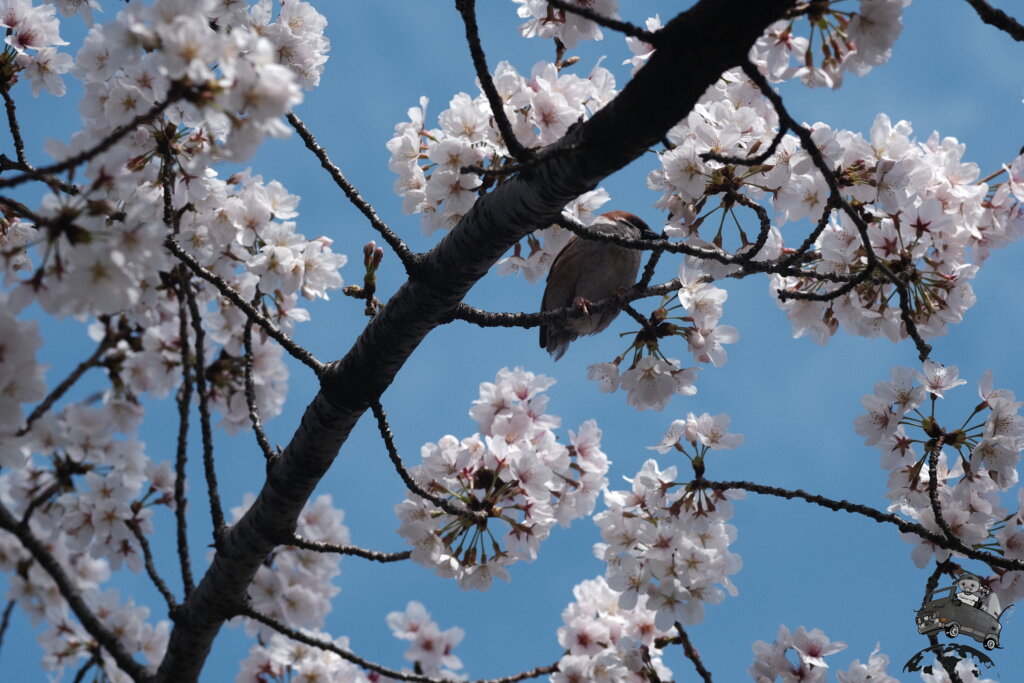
<point>694,49</point>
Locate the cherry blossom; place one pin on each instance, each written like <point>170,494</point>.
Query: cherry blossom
<point>515,470</point>
<point>669,544</point>
<point>974,464</point>
<point>605,641</point>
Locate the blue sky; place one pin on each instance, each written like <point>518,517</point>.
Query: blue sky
<point>794,402</point>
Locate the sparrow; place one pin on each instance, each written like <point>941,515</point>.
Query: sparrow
<point>586,271</point>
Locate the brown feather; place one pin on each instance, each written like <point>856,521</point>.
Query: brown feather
<point>591,271</point>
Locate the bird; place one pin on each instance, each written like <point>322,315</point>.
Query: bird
<point>586,271</point>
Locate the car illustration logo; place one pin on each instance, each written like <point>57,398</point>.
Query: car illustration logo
<point>965,608</point>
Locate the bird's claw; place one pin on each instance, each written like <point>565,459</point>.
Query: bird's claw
<point>582,304</point>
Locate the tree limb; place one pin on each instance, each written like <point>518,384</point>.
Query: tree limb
<point>694,49</point>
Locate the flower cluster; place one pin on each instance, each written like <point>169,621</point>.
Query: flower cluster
<point>33,36</point>
<point>605,642</point>
<point>971,465</point>
<point>771,660</point>
<point>669,542</point>
<point>89,495</point>
<point>652,380</point>
<point>567,28</point>
<point>294,585</point>
<point>928,220</point>
<point>545,244</point>
<point>650,383</point>
<point>226,72</point>
<point>283,660</point>
<point>429,162</point>
<point>66,644</point>
<point>852,42</point>
<point>430,648</point>
<point>203,80</point>
<point>21,380</point>
<point>514,470</point>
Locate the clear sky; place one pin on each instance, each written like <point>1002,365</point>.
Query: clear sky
<point>795,402</point>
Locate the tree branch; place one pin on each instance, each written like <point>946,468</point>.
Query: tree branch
<point>6,621</point>
<point>692,655</point>
<point>12,124</point>
<point>199,359</point>
<point>176,93</point>
<point>467,8</point>
<point>375,555</point>
<point>620,132</point>
<point>998,18</point>
<point>69,381</point>
<point>475,516</point>
<point>90,622</point>
<point>184,400</point>
<point>250,389</point>
<point>837,198</point>
<point>933,487</point>
<point>614,24</point>
<point>749,161</point>
<point>871,513</point>
<point>229,293</point>
<point>330,646</point>
<point>154,576</point>
<point>405,255</point>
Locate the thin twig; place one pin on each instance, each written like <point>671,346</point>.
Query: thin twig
<point>871,513</point>
<point>640,318</point>
<point>250,389</point>
<point>749,161</point>
<point>41,499</point>
<point>69,381</point>
<point>933,486</point>
<point>483,318</point>
<point>764,222</point>
<point>199,356</point>
<point>6,621</point>
<point>184,399</point>
<point>330,646</point>
<point>467,8</point>
<point>12,122</point>
<point>614,24</point>
<point>478,516</point>
<point>375,555</point>
<point>71,593</point>
<point>532,673</point>
<point>154,576</point>
<point>229,293</point>
<point>692,654</point>
<point>807,142</point>
<point>8,164</point>
<point>743,261</point>
<point>90,663</point>
<point>812,238</point>
<point>176,93</point>
<point>401,249</point>
<point>832,294</point>
<point>652,263</point>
